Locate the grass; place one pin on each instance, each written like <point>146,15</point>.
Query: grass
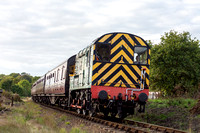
<point>67,123</point>
<point>180,102</point>
<point>12,127</point>
<point>63,118</point>
<point>77,130</point>
<point>172,112</point>
<point>30,117</point>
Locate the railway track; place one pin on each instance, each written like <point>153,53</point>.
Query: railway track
<point>124,125</point>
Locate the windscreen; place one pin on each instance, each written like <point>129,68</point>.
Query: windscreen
<point>102,52</point>
<point>140,55</point>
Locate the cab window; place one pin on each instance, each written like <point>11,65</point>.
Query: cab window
<point>140,55</point>
<point>71,70</point>
<point>102,52</point>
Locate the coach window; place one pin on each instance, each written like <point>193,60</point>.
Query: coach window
<point>140,55</point>
<point>102,52</point>
<point>58,74</point>
<point>54,76</point>
<point>62,75</point>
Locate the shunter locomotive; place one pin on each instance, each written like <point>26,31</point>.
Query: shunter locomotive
<point>110,76</point>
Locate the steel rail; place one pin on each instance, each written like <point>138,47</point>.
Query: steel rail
<point>153,126</point>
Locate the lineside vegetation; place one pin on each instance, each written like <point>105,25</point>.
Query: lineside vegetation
<point>175,65</point>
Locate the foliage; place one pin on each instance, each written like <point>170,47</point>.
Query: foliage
<point>17,89</point>
<point>14,75</point>
<point>6,83</point>
<point>25,85</point>
<point>18,83</point>
<point>175,64</point>
<point>9,95</point>
<point>1,76</point>
<point>26,77</point>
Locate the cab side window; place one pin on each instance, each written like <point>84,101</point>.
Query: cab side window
<point>102,52</point>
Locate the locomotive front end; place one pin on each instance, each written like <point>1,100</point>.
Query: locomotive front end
<point>120,73</point>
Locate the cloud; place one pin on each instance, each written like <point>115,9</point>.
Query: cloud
<point>38,35</point>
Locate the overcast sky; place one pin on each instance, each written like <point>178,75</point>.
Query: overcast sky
<point>37,35</point>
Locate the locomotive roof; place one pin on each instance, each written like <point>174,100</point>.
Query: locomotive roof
<point>131,35</point>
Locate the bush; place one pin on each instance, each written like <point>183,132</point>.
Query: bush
<point>16,97</point>
<point>9,95</point>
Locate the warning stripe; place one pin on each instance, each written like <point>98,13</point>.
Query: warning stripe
<point>109,73</point>
<point>105,38</point>
<point>140,41</point>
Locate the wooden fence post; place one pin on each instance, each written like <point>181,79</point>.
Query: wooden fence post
<point>12,102</point>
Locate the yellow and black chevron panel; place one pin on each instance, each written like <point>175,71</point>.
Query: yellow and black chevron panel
<point>120,70</point>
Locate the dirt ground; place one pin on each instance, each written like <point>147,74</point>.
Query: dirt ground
<point>196,109</point>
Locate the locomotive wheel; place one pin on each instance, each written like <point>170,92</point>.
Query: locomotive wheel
<point>85,112</point>
<point>122,115</point>
<point>78,111</point>
<point>113,114</point>
<point>92,112</point>
<point>105,112</point>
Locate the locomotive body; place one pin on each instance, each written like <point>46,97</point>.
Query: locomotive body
<point>109,76</point>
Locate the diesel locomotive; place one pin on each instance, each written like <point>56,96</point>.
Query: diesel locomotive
<point>110,76</point>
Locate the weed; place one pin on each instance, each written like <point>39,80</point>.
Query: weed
<point>20,120</point>
<point>77,130</point>
<point>198,116</point>
<point>55,113</point>
<point>40,120</point>
<point>82,125</point>
<point>62,130</point>
<point>63,118</point>
<point>28,115</point>
<point>67,123</point>
<point>49,121</point>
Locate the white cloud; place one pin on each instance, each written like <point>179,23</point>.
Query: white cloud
<point>38,35</point>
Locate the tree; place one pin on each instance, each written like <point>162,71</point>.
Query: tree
<point>35,79</point>
<point>26,77</point>
<point>26,86</point>
<point>175,64</point>
<point>18,83</point>
<point>6,83</point>
<point>16,79</point>
<point>14,75</point>
<point>17,89</point>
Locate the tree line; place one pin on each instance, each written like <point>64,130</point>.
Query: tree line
<point>19,83</point>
